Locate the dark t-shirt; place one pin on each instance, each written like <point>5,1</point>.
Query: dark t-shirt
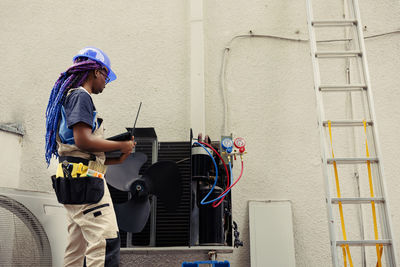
<point>79,107</point>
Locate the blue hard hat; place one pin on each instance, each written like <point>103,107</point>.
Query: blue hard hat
<point>98,56</point>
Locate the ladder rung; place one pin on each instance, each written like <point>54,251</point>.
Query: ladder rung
<point>346,123</point>
<point>338,54</point>
<point>342,87</point>
<point>357,200</point>
<point>384,242</point>
<point>351,160</point>
<point>333,23</point>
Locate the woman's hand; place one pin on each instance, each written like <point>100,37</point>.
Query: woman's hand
<point>127,146</point>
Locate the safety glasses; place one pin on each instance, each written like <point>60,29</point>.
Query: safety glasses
<point>105,74</point>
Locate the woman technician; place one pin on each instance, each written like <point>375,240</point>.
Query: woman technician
<point>74,134</point>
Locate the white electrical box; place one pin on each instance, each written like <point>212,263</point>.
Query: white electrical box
<point>271,234</point>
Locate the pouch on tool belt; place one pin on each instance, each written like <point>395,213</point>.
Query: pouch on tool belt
<point>79,190</point>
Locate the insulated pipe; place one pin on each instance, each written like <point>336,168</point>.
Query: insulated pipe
<point>197,94</point>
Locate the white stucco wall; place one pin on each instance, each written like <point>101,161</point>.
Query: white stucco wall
<point>269,90</point>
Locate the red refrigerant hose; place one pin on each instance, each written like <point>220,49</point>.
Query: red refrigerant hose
<point>226,170</point>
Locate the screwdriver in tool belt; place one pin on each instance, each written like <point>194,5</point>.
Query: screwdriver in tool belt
<point>79,171</point>
<point>65,168</point>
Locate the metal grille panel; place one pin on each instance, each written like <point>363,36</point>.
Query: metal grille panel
<point>172,228</point>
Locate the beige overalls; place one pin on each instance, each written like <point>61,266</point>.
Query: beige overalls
<point>93,237</point>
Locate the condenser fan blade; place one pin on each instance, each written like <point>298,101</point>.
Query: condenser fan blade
<point>133,214</point>
<point>121,176</point>
<point>164,181</point>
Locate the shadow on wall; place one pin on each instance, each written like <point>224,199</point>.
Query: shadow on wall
<point>10,153</point>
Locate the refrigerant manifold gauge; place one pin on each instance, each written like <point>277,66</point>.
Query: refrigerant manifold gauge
<point>240,144</point>
<point>227,144</point>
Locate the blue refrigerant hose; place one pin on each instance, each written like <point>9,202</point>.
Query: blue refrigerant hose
<point>203,202</point>
<point>221,196</point>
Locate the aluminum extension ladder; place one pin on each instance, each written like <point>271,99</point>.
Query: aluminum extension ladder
<point>332,58</point>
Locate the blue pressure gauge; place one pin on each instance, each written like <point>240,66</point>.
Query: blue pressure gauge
<point>227,144</point>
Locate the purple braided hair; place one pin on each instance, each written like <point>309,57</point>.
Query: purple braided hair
<point>74,77</point>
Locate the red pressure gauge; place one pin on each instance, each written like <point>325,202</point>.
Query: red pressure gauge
<point>240,144</point>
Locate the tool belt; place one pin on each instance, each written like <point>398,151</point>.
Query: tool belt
<point>76,183</point>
